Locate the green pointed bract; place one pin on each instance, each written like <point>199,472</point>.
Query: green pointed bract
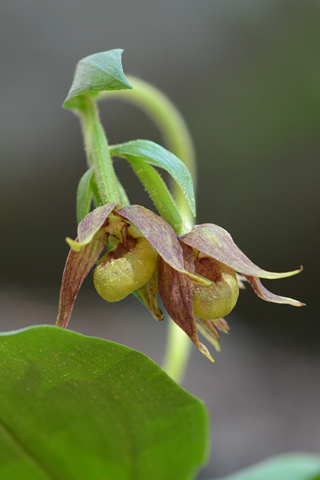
<point>161,236</point>
<point>96,73</point>
<point>84,194</point>
<point>159,194</point>
<point>158,156</point>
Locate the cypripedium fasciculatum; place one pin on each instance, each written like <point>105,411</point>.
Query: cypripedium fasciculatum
<point>197,271</point>
<point>196,274</point>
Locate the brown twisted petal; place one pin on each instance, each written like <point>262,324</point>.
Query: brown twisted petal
<point>161,236</point>
<point>176,291</point>
<point>84,253</point>
<point>216,242</point>
<point>263,293</point>
<point>77,267</point>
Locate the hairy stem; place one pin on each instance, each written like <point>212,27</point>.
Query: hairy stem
<point>97,150</point>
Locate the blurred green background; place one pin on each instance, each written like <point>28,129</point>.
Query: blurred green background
<point>246,76</point>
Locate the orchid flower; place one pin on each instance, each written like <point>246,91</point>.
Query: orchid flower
<point>197,274</point>
<point>198,271</point>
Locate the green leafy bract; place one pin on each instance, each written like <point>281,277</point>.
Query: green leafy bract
<point>291,466</point>
<point>96,73</point>
<point>158,156</point>
<point>74,407</point>
<point>84,194</point>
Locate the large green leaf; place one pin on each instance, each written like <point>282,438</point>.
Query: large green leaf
<point>74,407</point>
<point>158,156</point>
<point>284,467</point>
<point>96,73</point>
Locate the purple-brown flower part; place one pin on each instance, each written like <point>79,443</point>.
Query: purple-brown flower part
<point>92,222</point>
<point>149,296</point>
<point>263,293</point>
<point>161,236</point>
<point>176,291</point>
<point>217,243</point>
<point>93,232</point>
<point>195,274</point>
<point>77,267</point>
<point>84,253</point>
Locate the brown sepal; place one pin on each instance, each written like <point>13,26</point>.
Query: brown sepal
<point>78,265</point>
<point>149,293</point>
<point>265,294</point>
<point>176,291</point>
<point>217,243</point>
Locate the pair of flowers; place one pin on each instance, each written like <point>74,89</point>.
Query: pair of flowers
<point>195,274</point>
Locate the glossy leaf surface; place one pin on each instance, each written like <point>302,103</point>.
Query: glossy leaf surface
<point>76,407</point>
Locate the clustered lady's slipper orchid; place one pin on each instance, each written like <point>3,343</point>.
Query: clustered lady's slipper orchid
<point>195,274</point>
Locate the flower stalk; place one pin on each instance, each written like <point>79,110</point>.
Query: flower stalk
<point>172,127</point>
<point>97,149</point>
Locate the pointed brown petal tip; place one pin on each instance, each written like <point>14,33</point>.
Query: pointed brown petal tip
<point>209,332</point>
<point>216,242</point>
<point>176,293</point>
<point>222,324</point>
<point>265,294</point>
<point>148,294</point>
<point>91,223</point>
<point>77,267</point>
<point>203,349</point>
<point>175,290</point>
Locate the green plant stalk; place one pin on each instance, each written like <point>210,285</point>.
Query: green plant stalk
<point>97,150</point>
<point>160,195</point>
<point>178,139</point>
<point>172,126</point>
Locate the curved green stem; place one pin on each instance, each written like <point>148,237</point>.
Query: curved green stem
<point>171,124</point>
<point>177,137</point>
<point>97,150</point>
<point>160,195</point>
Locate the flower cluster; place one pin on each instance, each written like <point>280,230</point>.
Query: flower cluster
<point>197,274</point>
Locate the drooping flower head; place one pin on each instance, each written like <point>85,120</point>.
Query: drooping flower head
<point>197,274</point>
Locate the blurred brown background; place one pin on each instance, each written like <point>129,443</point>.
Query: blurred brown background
<point>246,76</point>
